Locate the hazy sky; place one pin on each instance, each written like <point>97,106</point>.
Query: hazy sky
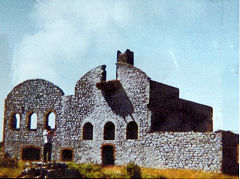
<point>190,44</point>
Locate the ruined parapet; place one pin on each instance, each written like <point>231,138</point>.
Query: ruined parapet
<point>160,91</point>
<point>170,113</point>
<point>86,90</point>
<point>126,57</point>
<point>88,81</point>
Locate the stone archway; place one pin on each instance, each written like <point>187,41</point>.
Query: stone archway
<point>108,152</point>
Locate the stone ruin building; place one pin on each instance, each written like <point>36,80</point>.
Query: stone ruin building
<point>130,119</point>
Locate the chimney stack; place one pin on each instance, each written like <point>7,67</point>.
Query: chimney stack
<point>126,57</point>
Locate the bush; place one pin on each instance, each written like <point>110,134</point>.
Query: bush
<point>132,170</point>
<point>87,170</point>
<point>10,168</point>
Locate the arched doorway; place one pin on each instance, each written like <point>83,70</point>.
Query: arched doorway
<point>31,153</point>
<point>108,154</point>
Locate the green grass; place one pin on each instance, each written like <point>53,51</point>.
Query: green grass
<point>128,171</point>
<point>131,170</point>
<point>87,170</point>
<point>183,173</point>
<point>168,173</point>
<point>12,171</point>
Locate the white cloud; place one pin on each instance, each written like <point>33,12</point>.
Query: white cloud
<point>69,36</point>
<point>66,30</point>
<point>174,60</point>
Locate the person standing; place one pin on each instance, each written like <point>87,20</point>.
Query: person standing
<point>48,138</point>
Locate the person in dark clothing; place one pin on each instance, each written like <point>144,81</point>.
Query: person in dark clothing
<point>48,138</point>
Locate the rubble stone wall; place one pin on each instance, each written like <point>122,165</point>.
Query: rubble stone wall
<point>127,102</point>
<point>38,96</point>
<point>186,150</point>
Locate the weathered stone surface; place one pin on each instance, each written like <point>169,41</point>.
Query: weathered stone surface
<point>48,170</point>
<point>128,98</point>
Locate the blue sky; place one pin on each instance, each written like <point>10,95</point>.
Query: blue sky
<point>189,44</point>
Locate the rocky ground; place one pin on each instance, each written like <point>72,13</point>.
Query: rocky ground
<point>48,170</point>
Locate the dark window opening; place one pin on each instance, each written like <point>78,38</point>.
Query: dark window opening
<point>50,120</point>
<point>108,155</point>
<point>31,153</point>
<point>15,121</point>
<point>88,131</point>
<point>32,121</point>
<point>109,131</point>
<point>132,130</point>
<point>67,155</point>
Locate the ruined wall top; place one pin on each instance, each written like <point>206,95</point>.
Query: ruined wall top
<point>87,83</point>
<point>133,92</point>
<point>126,57</point>
<point>35,90</point>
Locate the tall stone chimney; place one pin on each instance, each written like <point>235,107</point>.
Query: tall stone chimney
<point>126,57</point>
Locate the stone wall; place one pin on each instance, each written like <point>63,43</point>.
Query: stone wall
<point>230,147</point>
<point>121,101</point>
<point>170,113</point>
<point>188,150</point>
<point>38,96</point>
<point>90,104</point>
<point>176,150</point>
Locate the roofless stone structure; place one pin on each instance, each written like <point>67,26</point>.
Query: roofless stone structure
<point>130,119</point>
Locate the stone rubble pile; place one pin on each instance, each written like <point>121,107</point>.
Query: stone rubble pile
<point>47,170</point>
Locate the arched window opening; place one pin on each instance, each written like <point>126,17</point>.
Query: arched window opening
<point>32,121</point>
<point>88,131</point>
<point>67,155</point>
<point>132,130</point>
<point>31,153</point>
<point>15,121</point>
<point>50,120</point>
<point>109,131</point>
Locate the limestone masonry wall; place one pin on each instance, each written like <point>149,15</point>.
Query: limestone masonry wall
<point>189,150</point>
<point>130,119</point>
<point>39,96</point>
